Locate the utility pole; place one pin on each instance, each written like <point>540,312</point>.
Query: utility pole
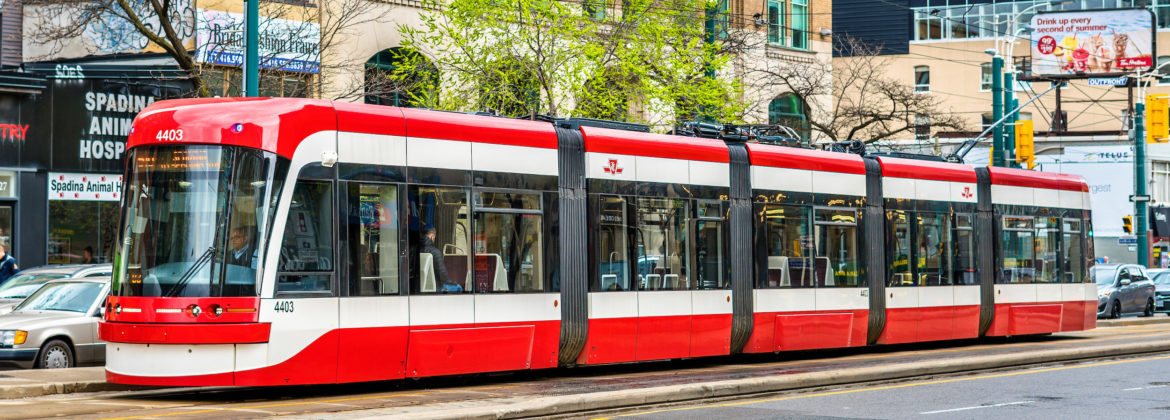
<point>252,53</point>
<point>1139,175</point>
<point>997,144</point>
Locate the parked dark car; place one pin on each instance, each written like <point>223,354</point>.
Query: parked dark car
<point>1123,289</point>
<point>29,280</point>
<point>1161,278</point>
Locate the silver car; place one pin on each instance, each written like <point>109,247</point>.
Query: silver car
<point>1123,289</point>
<point>29,280</point>
<point>56,326</point>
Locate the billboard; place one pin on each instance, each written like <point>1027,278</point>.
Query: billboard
<point>288,45</point>
<point>1092,43</point>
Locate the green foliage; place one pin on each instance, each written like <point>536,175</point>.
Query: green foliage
<point>635,60</point>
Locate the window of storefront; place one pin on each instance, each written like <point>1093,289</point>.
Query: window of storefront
<point>7,191</point>
<point>83,216</point>
<point>81,232</point>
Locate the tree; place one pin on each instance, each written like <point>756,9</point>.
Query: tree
<point>84,27</point>
<point>852,98</point>
<point>638,60</point>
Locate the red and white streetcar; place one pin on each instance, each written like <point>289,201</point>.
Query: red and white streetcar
<point>293,241</point>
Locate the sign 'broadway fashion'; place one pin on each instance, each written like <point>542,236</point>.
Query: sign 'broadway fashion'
<point>287,45</point>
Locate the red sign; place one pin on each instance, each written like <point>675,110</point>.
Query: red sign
<point>1134,62</point>
<point>1046,44</point>
<point>612,169</point>
<point>13,131</point>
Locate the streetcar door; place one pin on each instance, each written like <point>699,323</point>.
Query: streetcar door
<point>304,306</point>
<point>373,310</point>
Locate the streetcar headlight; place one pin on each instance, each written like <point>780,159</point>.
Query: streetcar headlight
<point>194,310</point>
<point>13,337</point>
<point>216,310</point>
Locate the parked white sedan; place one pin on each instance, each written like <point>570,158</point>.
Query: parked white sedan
<point>56,326</point>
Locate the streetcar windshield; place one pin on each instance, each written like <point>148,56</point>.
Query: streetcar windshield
<point>196,220</point>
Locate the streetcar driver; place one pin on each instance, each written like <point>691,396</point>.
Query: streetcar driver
<point>241,252</point>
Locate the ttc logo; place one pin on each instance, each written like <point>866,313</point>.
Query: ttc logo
<point>967,192</point>
<point>613,168</point>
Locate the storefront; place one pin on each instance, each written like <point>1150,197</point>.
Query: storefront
<point>68,209</point>
<point>23,151</point>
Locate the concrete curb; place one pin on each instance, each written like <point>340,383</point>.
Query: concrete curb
<point>547,406</point>
<point>52,388</point>
<point>1158,318</point>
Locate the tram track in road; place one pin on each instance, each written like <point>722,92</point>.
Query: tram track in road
<point>482,391</point>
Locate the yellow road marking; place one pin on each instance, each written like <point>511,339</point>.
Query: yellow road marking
<point>887,387</point>
<point>253,407</point>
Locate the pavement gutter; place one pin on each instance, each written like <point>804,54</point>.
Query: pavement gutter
<point>510,408</point>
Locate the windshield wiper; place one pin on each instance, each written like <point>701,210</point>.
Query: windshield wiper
<point>190,273</point>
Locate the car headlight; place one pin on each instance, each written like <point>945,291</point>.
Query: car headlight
<point>13,337</point>
<point>1103,295</point>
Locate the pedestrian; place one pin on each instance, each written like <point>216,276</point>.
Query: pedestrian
<point>8,265</point>
<point>87,255</point>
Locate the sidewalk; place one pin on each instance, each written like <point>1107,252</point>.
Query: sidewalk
<point>37,382</point>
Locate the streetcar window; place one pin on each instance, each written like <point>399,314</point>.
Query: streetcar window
<point>709,245</point>
<point>373,239</point>
<point>306,254</point>
<point>789,244</point>
<point>1047,234</point>
<point>613,268</point>
<point>933,250</point>
<point>964,251</point>
<point>440,258</point>
<point>837,254</point>
<point>508,245</point>
<point>900,255</point>
<point>663,244</point>
<point>1018,250</point>
<point>1074,262</point>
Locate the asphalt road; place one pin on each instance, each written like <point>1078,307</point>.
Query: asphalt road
<point>1133,388</point>
<point>390,398</point>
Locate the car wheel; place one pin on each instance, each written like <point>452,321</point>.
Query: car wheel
<point>54,355</point>
<point>1115,313</point>
<point>1149,308</point>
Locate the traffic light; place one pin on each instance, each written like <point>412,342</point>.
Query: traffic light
<point>1025,149</point>
<point>1157,118</point>
<point>1127,224</point>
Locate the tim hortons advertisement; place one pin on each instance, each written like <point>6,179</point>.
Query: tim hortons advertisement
<point>1092,43</point>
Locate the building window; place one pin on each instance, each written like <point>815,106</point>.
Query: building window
<point>922,127</point>
<point>985,77</point>
<point>788,110</point>
<point>1162,59</point>
<point>928,26</point>
<point>393,77</point>
<point>921,79</point>
<point>1160,172</point>
<point>594,8</point>
<point>228,82</point>
<point>775,21</point>
<point>800,24</point>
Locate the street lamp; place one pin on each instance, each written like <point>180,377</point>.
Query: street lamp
<point>1003,86</point>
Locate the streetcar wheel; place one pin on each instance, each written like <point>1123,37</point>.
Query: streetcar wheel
<point>1115,313</point>
<point>54,355</point>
